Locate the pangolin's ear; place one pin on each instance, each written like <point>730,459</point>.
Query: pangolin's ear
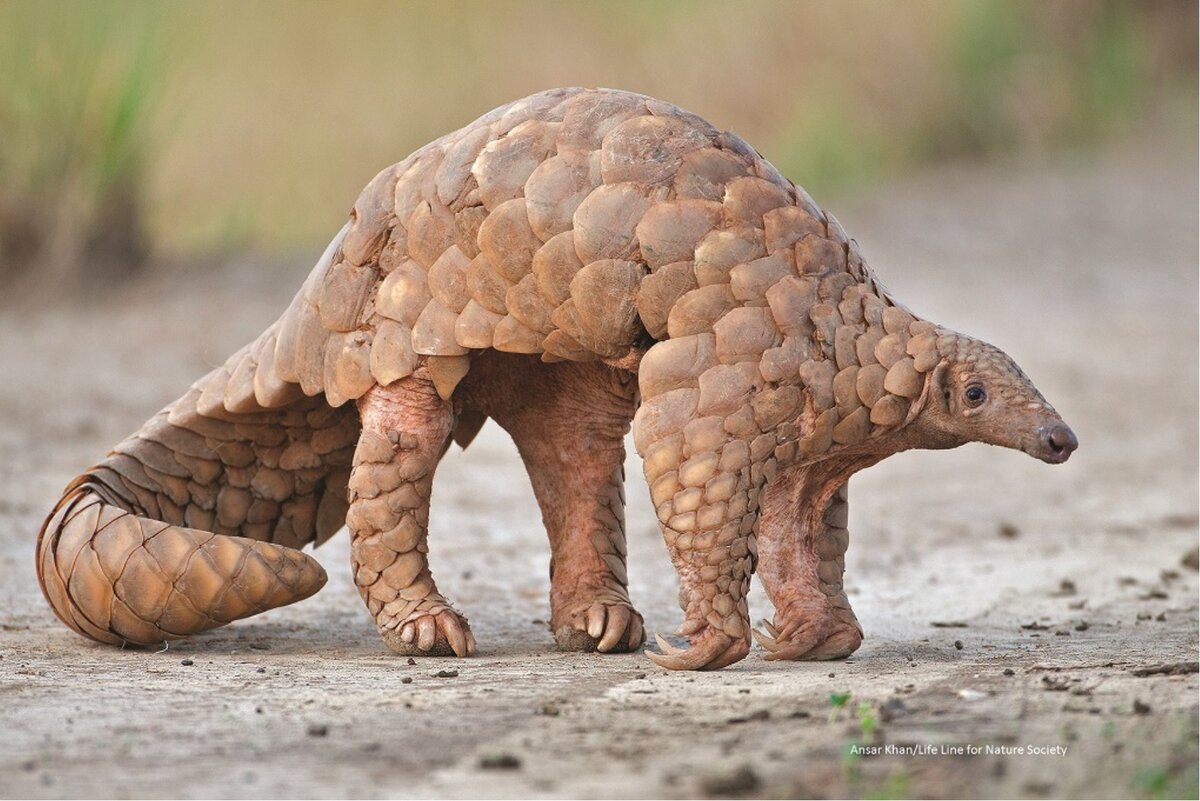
<point>933,391</point>
<point>939,387</point>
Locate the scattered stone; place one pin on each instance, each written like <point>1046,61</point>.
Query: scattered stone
<point>446,674</point>
<point>958,645</point>
<point>318,730</point>
<point>411,661</point>
<point>742,781</point>
<point>186,662</point>
<point>260,646</point>
<point>1191,559</point>
<point>1154,595</point>
<point>406,680</point>
<point>499,761</point>
<point>1082,625</point>
<point>891,709</point>
<point>261,670</point>
<point>1009,672</point>
<point>1065,587</point>
<point>1140,708</point>
<point>1056,684</point>
<point>948,624</point>
<point>549,710</point>
<point>1008,531</point>
<point>1168,669</point>
<point>760,714</point>
<point>1034,626</point>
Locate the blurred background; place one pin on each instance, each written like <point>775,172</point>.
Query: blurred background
<point>139,135</point>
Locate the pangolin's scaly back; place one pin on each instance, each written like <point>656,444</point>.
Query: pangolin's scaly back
<point>574,223</point>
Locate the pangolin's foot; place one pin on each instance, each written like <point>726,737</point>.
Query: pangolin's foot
<point>439,631</point>
<point>610,627</point>
<point>709,649</point>
<point>811,630</point>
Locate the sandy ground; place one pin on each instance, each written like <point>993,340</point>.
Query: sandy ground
<point>1007,604</point>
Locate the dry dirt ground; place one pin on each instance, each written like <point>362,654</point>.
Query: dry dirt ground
<point>1006,603</point>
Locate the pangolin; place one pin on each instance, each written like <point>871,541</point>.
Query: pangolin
<point>568,264</point>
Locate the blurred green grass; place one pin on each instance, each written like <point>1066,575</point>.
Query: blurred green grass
<point>209,126</point>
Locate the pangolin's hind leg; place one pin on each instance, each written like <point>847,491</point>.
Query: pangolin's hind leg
<point>406,429</point>
<point>569,421</point>
<point>802,540</point>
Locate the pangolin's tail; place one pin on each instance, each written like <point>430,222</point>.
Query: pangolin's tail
<point>116,577</point>
<point>197,519</point>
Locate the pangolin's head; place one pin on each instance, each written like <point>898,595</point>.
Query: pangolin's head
<point>975,393</point>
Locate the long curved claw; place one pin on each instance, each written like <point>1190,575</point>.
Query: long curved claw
<point>778,645</point>
<point>426,632</point>
<point>614,628</point>
<point>666,647</point>
<point>595,621</point>
<point>453,631</point>
<point>637,634</point>
<point>713,651</point>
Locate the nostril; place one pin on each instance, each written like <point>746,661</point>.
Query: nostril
<point>1062,438</point>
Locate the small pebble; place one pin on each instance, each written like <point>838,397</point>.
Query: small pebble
<point>318,730</point>
<point>186,662</point>
<point>1009,672</point>
<point>499,762</point>
<point>445,674</point>
<point>958,646</point>
<point>406,680</point>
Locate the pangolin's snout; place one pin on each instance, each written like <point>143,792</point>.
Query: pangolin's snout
<point>1058,443</point>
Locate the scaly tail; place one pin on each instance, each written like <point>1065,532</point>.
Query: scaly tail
<point>197,519</point>
<point>116,577</point>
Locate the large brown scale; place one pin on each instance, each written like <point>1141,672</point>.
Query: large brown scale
<point>565,265</point>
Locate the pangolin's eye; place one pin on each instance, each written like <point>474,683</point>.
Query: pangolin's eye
<point>975,395</point>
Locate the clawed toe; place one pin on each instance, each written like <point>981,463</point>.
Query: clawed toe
<point>808,642</point>
<point>607,628</point>
<point>710,650</point>
<point>440,634</point>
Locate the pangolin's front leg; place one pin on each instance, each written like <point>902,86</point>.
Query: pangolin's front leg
<point>802,541</point>
<point>705,482</point>
<point>406,429</point>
